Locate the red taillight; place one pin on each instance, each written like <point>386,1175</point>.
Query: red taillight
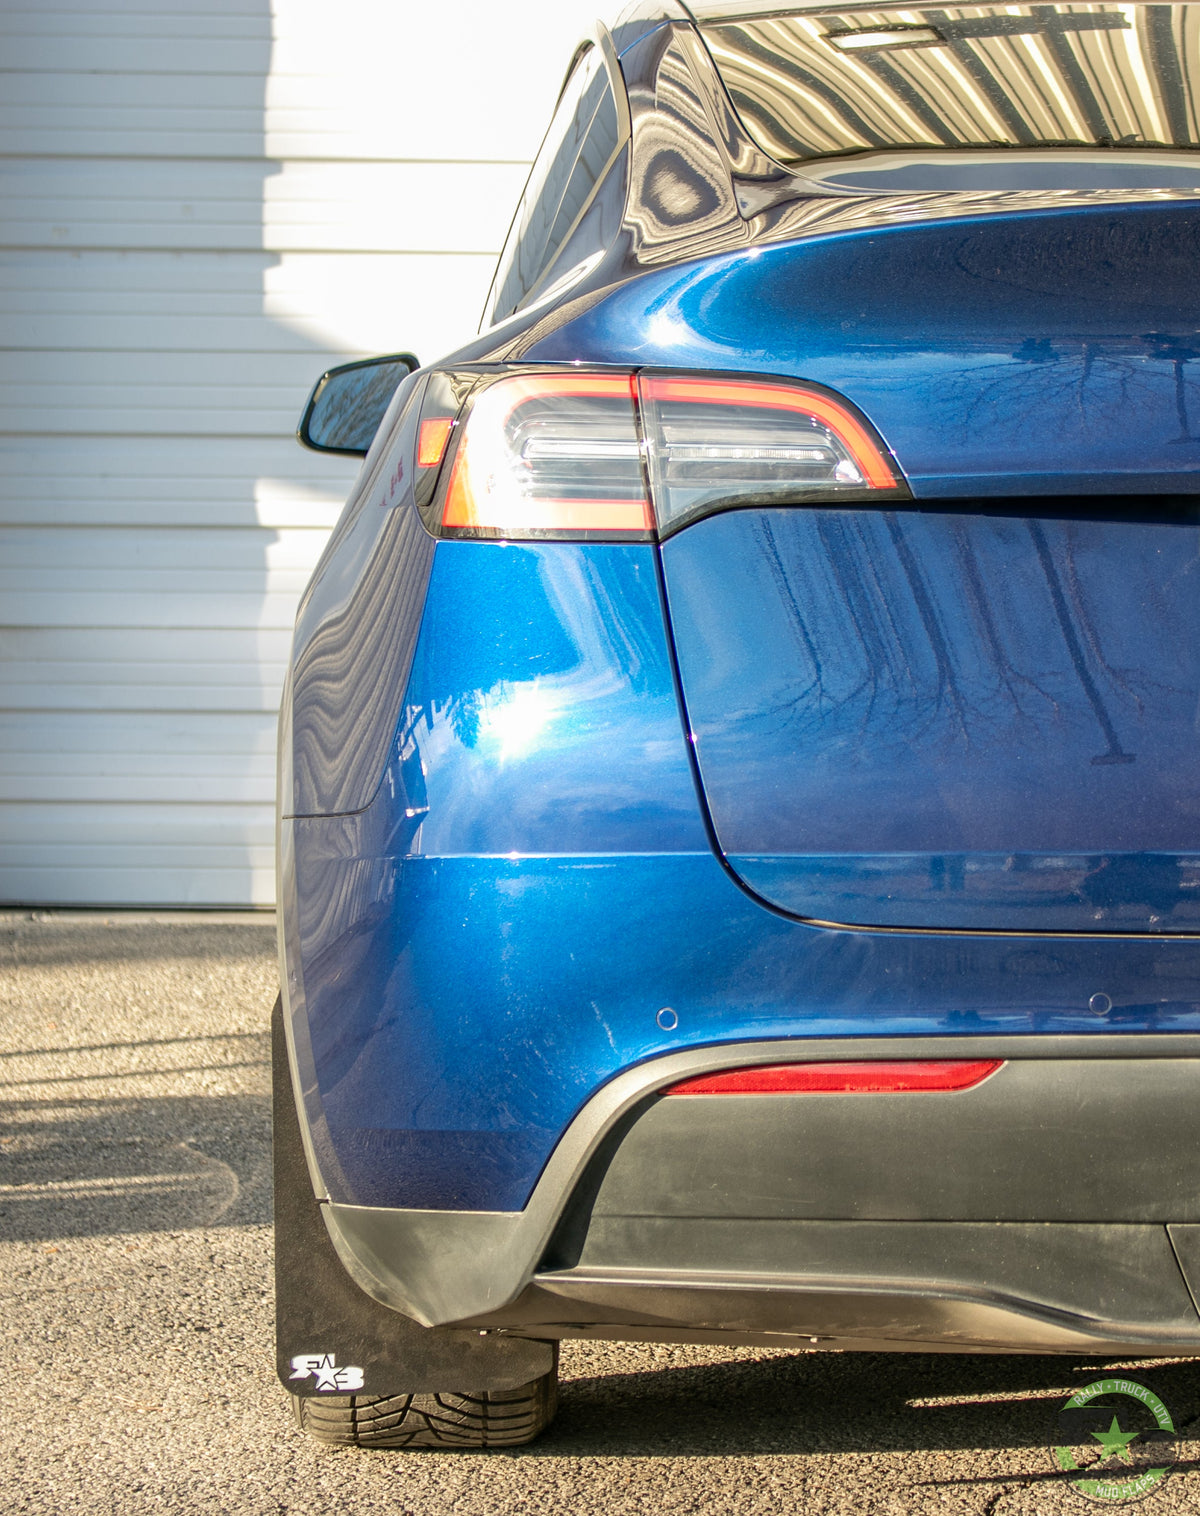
<point>805,421</point>
<point>548,453</point>
<point>877,1078</point>
<point>575,453</point>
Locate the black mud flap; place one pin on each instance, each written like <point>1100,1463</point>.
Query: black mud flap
<point>331,1337</point>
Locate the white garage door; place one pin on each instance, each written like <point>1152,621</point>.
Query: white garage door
<point>207,203</point>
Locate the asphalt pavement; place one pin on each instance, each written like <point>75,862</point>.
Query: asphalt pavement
<point>135,1249</point>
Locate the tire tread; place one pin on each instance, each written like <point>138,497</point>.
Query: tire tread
<point>469,1419</point>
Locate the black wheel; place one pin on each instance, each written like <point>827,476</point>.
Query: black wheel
<point>488,1419</point>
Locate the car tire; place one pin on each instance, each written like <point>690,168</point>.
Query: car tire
<point>487,1419</point>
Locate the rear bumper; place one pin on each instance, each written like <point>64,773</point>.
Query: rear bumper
<point>917,1286</point>
<point>450,1018</point>
<point>1052,1208</point>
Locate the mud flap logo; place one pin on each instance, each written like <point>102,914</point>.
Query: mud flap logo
<point>329,1376</point>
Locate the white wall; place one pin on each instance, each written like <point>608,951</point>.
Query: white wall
<point>207,202</point>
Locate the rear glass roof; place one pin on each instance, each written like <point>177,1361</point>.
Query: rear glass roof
<point>817,83</point>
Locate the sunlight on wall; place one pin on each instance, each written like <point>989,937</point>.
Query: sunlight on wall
<point>402,136</point>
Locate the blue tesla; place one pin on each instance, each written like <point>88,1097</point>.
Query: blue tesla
<point>739,842</point>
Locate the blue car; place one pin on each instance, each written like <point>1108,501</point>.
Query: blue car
<point>739,844</point>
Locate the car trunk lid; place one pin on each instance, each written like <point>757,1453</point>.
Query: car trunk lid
<point>958,717</point>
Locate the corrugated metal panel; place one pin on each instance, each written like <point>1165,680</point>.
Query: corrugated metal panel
<point>222,206</point>
<point>205,206</point>
<point>166,482</point>
<point>314,304</point>
<point>130,854</point>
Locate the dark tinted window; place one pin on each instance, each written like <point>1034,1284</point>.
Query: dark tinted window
<point>580,144</point>
<point>809,85</point>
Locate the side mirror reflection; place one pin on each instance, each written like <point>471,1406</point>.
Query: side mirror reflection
<point>347,403</point>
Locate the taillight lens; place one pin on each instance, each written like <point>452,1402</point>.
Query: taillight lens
<point>550,453</point>
<point>722,442</point>
<point>432,440</point>
<point>629,456</point>
<point>441,405</point>
<point>884,1077</point>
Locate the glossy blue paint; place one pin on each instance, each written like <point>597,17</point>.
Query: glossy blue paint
<point>490,940</point>
<point>461,1010</point>
<point>915,720</point>
<point>541,715</point>
<point>356,629</point>
<point>940,719</point>
<point>1017,352</point>
<point>1018,891</point>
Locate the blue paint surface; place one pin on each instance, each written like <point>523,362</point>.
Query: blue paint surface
<point>461,1010</point>
<point>493,937</point>
<point>916,720</point>
<point>540,714</point>
<point>943,719</point>
<point>1024,353</point>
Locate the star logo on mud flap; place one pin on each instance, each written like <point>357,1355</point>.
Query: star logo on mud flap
<point>329,1376</point>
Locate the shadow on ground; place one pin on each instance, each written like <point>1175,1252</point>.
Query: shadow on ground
<point>115,1129</point>
<point>103,1167</point>
<point>83,945</point>
<point>846,1403</point>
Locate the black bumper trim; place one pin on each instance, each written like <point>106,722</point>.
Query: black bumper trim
<point>440,1267</point>
<point>1061,1287</point>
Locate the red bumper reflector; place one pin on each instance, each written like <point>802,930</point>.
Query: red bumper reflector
<point>883,1078</point>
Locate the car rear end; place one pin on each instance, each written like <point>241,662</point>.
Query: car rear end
<point>751,889</point>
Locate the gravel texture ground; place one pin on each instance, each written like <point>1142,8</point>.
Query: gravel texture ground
<point>136,1254</point>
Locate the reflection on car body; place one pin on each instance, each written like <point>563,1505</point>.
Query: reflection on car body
<point>740,831</point>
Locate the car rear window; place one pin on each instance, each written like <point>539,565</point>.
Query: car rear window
<point>816,84</point>
<point>582,139</point>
